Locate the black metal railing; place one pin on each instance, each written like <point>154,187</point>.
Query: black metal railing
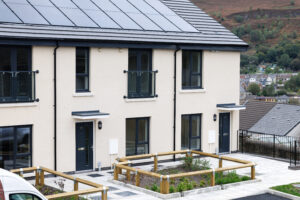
<point>141,84</point>
<point>275,146</point>
<point>17,86</point>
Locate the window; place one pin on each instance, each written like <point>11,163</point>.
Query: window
<point>15,147</point>
<point>82,69</point>
<point>191,132</point>
<point>17,81</point>
<point>191,69</point>
<point>141,78</point>
<point>23,196</point>
<point>137,136</point>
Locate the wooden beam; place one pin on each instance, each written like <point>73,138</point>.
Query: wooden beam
<point>75,193</point>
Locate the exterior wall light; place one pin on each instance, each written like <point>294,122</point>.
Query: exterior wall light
<point>100,125</point>
<point>215,117</point>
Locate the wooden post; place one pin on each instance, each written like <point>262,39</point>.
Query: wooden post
<point>116,173</point>
<point>164,184</point>
<point>212,181</point>
<point>37,177</point>
<point>137,178</point>
<point>75,185</point>
<point>220,162</point>
<point>128,175</point>
<point>75,188</point>
<point>253,172</point>
<point>104,193</point>
<point>155,163</point>
<point>21,173</point>
<point>42,178</point>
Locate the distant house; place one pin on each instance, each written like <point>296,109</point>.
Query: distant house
<point>255,110</point>
<point>282,119</point>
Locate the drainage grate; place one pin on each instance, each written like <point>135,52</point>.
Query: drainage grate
<point>95,175</point>
<point>125,194</point>
<point>98,197</point>
<point>111,188</point>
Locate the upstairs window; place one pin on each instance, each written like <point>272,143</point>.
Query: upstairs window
<point>191,69</point>
<point>141,78</point>
<point>17,81</point>
<point>82,69</point>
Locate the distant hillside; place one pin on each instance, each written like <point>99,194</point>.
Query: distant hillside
<point>265,25</point>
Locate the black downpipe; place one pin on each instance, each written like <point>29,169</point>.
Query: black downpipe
<point>55,110</point>
<point>175,94</point>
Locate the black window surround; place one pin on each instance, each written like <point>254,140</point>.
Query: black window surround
<point>141,79</point>
<point>188,137</point>
<point>82,69</point>
<point>17,80</point>
<point>134,143</point>
<point>17,146</point>
<point>192,69</point>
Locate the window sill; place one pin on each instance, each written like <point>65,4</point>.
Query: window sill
<point>192,91</point>
<point>15,105</point>
<point>83,94</point>
<point>140,100</point>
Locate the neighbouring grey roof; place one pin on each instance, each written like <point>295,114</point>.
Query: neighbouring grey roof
<point>159,21</point>
<point>280,120</point>
<point>255,110</point>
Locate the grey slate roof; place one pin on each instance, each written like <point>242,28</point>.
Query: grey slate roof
<point>80,22</point>
<point>255,110</point>
<point>280,120</point>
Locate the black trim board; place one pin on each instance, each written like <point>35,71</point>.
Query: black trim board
<point>103,44</point>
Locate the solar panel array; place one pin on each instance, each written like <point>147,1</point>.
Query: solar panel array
<point>149,15</point>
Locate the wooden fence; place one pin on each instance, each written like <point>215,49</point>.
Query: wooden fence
<point>125,164</point>
<point>40,181</point>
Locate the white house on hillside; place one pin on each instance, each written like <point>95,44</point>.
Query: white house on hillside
<point>83,82</point>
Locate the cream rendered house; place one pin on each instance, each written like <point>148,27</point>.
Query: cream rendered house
<point>85,82</point>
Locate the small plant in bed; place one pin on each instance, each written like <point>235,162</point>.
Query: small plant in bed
<point>230,177</point>
<point>289,189</point>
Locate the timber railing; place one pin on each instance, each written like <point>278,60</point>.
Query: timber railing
<point>40,181</point>
<point>125,164</point>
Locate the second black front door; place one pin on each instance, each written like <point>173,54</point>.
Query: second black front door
<point>84,146</point>
<point>224,132</point>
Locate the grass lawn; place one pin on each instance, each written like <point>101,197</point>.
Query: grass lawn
<point>289,189</point>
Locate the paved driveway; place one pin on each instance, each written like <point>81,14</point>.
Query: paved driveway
<point>271,172</point>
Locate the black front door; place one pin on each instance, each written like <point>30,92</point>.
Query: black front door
<point>84,146</point>
<point>224,132</point>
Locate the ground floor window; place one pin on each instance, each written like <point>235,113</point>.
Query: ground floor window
<point>191,131</point>
<point>15,147</point>
<point>137,136</point>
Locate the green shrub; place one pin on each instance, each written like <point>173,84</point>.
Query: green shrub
<point>181,187</point>
<point>154,188</point>
<point>171,189</point>
<point>202,183</point>
<point>230,177</point>
<point>292,2</point>
<point>239,18</point>
<point>187,162</point>
<point>147,187</point>
<point>246,178</point>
